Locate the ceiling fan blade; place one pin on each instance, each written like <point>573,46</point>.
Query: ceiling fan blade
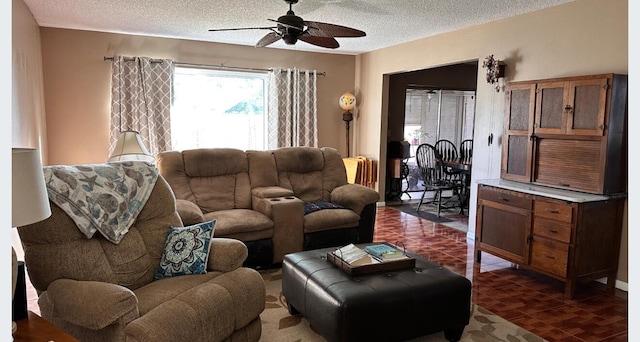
<point>327,42</point>
<point>243,28</point>
<point>270,38</point>
<point>319,29</point>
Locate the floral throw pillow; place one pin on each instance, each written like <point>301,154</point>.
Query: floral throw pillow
<point>186,250</point>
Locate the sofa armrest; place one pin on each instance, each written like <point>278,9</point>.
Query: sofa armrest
<point>270,192</point>
<point>354,196</point>
<point>91,304</point>
<point>226,254</point>
<point>287,214</point>
<point>261,196</point>
<point>189,212</point>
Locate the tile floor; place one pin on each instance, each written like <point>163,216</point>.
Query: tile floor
<point>533,301</point>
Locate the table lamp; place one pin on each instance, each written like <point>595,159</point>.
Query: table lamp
<point>29,201</point>
<point>129,147</point>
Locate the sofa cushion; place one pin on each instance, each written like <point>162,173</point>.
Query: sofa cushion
<point>186,250</point>
<point>241,224</point>
<point>330,219</point>
<point>300,169</point>
<point>212,304</point>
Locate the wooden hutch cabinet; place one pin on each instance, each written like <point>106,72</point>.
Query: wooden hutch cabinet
<point>558,206</point>
<point>567,133</point>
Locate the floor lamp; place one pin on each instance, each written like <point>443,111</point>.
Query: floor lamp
<point>347,102</point>
<point>29,201</point>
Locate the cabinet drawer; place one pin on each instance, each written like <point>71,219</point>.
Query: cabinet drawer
<point>552,229</point>
<point>511,198</point>
<point>556,211</point>
<point>550,256</point>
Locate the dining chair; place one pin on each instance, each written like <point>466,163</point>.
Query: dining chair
<point>447,151</point>
<point>466,151</point>
<point>435,179</point>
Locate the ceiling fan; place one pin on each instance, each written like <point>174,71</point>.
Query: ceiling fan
<point>291,28</point>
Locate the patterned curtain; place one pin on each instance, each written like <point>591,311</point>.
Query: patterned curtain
<point>293,110</point>
<point>141,93</point>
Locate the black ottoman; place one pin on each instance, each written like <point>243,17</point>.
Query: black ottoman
<point>387,306</point>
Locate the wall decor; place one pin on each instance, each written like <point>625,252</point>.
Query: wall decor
<point>495,70</point>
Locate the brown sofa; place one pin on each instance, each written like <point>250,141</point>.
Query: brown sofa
<point>100,291</point>
<point>259,197</point>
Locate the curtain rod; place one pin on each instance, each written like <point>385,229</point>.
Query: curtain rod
<point>221,66</point>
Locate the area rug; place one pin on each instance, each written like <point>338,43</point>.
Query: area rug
<point>426,212</point>
<point>279,326</point>
<point>448,217</point>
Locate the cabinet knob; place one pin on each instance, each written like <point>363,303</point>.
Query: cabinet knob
<point>549,256</point>
<point>553,211</point>
<point>567,108</point>
<point>553,231</point>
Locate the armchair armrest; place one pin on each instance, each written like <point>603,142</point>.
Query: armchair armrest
<point>91,304</point>
<point>354,196</point>
<point>189,212</point>
<point>226,254</point>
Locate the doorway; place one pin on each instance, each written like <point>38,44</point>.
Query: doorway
<point>423,107</point>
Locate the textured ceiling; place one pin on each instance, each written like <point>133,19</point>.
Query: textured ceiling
<point>386,22</point>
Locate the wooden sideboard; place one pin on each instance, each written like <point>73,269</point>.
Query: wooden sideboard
<point>566,235</point>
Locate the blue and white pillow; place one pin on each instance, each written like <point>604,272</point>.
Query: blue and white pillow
<point>186,250</point>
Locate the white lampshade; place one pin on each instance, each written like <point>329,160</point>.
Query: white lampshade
<point>29,201</point>
<point>129,147</point>
<point>347,101</point>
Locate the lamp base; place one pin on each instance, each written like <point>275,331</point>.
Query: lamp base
<point>20,295</point>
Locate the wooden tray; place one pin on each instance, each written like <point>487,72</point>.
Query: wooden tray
<point>374,266</point>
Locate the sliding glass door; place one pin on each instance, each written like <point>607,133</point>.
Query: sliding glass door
<point>434,114</point>
<point>431,115</point>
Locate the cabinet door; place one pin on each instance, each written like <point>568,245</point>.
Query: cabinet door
<point>551,114</point>
<point>568,163</point>
<point>503,230</point>
<point>586,101</point>
<point>517,145</point>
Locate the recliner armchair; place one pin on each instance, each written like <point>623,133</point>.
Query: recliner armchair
<point>100,291</point>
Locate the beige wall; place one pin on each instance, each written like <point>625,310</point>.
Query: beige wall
<point>578,38</point>
<point>77,84</point>
<point>27,110</point>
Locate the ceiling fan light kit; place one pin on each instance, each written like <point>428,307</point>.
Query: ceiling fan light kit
<point>291,28</point>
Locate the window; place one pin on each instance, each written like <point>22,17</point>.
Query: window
<point>213,108</point>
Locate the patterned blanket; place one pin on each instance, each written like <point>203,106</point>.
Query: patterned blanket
<point>101,197</point>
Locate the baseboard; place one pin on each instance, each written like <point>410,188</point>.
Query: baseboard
<point>471,235</point>
<point>620,285</point>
